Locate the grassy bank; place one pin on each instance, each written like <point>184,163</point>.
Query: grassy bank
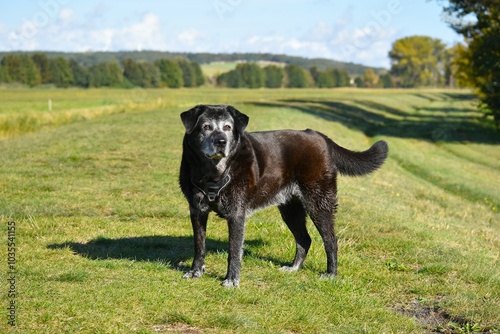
<point>103,234</point>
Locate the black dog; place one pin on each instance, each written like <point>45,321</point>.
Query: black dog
<point>234,173</point>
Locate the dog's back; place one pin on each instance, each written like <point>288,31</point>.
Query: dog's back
<point>304,151</point>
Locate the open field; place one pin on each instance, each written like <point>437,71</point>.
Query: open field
<point>102,232</point>
<point>215,69</point>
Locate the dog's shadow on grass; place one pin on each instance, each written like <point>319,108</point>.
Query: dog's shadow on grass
<point>174,251</point>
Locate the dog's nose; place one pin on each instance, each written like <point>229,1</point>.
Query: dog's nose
<point>219,140</point>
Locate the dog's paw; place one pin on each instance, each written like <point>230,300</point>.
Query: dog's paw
<point>288,269</point>
<point>194,273</point>
<point>328,276</point>
<point>231,283</point>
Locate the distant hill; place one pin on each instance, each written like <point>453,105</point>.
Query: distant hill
<point>91,58</point>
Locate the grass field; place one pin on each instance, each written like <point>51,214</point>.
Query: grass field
<point>102,232</point>
<point>215,69</point>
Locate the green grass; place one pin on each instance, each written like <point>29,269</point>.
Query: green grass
<point>103,233</point>
<point>214,69</point>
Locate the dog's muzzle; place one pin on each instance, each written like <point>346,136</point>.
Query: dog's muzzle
<point>218,146</point>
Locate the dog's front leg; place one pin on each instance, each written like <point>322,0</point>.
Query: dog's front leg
<point>199,223</point>
<point>236,239</point>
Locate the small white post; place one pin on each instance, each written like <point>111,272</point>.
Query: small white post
<point>50,104</point>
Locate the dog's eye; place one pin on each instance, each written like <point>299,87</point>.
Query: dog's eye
<point>207,127</point>
<point>227,127</point>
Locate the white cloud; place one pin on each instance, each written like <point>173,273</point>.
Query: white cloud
<point>66,15</point>
<point>368,46</point>
<point>191,36</point>
<point>320,32</point>
<point>339,41</point>
<point>99,39</point>
<point>66,33</point>
<point>98,11</point>
<point>146,34</point>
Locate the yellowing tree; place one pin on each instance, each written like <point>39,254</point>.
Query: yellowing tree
<point>370,78</point>
<point>417,61</point>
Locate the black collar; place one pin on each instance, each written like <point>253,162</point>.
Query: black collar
<point>212,189</point>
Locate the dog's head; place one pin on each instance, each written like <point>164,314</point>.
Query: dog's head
<point>214,129</point>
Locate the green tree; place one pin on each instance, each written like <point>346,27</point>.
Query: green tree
<point>151,76</point>
<point>329,78</point>
<point>479,22</point>
<point>315,74</point>
<point>106,74</point>
<point>274,76</point>
<point>252,75</point>
<point>325,79</point>
<point>200,78</point>
<point>248,75</point>
<point>4,75</point>
<point>142,74</point>
<point>231,79</point>
<point>385,80</point>
<point>22,69</point>
<point>188,72</point>
<point>132,72</point>
<point>342,78</point>
<point>43,63</point>
<point>81,74</point>
<point>170,73</point>
<point>417,61</point>
<point>296,77</point>
<point>358,82</point>
<point>61,73</point>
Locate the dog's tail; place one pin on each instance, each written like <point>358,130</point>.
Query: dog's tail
<point>359,163</point>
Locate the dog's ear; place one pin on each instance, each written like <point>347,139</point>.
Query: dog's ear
<point>240,119</point>
<point>190,118</point>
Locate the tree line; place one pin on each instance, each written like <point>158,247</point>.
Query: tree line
<point>39,69</point>
<point>416,61</point>
<point>88,59</point>
<point>252,75</point>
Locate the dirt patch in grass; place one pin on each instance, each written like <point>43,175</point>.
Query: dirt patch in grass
<point>427,316</point>
<point>436,320</point>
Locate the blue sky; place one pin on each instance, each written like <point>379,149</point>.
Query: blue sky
<point>359,31</point>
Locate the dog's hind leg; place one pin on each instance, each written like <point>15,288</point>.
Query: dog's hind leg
<point>294,215</point>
